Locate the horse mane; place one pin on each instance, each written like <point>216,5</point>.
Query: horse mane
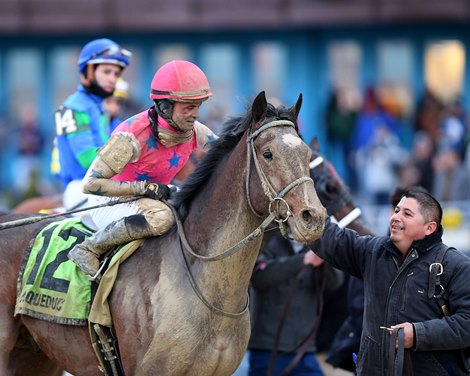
<point>232,131</point>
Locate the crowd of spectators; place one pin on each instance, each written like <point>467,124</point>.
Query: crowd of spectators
<point>383,148</point>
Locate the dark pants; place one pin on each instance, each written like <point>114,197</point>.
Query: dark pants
<point>259,363</point>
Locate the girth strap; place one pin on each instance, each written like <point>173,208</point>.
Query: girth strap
<point>105,345</point>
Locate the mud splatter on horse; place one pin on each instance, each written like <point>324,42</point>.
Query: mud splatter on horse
<point>176,313</point>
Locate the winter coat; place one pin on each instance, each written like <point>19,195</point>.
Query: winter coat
<point>396,292</point>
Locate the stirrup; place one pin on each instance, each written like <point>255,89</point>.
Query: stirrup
<point>97,277</point>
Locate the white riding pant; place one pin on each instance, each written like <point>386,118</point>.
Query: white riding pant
<point>158,215</point>
<point>73,197</point>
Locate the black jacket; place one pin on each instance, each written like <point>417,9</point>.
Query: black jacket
<point>273,282</point>
<point>396,292</point>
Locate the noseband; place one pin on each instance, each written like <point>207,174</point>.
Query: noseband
<point>275,198</point>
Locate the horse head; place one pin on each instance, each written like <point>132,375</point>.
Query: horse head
<point>334,194</point>
<point>331,190</point>
<point>278,179</point>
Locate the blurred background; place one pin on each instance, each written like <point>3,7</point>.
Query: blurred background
<point>385,83</point>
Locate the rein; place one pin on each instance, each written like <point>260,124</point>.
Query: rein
<point>31,220</point>
<point>229,252</point>
<point>398,357</point>
<point>273,216</point>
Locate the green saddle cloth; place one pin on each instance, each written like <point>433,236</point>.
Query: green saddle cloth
<point>50,286</point>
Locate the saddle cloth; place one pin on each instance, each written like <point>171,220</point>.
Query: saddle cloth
<point>51,287</point>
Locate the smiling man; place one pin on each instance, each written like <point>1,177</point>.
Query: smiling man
<point>411,221</point>
<point>400,273</point>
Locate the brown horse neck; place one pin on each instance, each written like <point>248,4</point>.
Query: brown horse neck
<point>220,218</point>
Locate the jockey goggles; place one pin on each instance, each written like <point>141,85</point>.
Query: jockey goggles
<point>113,50</point>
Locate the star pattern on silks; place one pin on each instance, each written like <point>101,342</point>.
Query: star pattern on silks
<point>96,174</point>
<point>98,192</point>
<point>174,161</point>
<point>142,176</point>
<point>130,120</point>
<point>151,142</point>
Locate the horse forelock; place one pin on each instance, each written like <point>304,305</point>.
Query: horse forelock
<point>282,113</point>
<point>232,132</point>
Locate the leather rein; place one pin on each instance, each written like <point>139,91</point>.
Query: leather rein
<point>275,198</point>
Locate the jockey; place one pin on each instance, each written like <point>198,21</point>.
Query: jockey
<point>141,158</point>
<point>82,124</point>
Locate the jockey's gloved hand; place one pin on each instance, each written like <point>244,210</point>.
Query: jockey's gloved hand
<point>173,190</point>
<point>157,191</point>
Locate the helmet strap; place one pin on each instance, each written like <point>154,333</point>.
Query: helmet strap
<point>152,114</point>
<point>164,108</point>
<point>164,136</point>
<point>88,74</point>
<point>91,85</point>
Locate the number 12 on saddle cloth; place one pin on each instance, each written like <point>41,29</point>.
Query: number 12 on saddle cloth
<point>50,287</point>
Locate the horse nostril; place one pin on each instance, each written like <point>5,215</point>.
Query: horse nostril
<point>314,220</point>
<point>308,217</point>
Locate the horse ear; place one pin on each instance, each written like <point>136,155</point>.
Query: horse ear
<point>315,145</point>
<point>295,109</point>
<point>259,108</point>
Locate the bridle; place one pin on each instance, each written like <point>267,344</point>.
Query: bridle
<point>275,198</point>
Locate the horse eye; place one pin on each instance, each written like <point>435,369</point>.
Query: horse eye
<point>267,155</point>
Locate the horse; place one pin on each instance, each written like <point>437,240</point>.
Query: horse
<point>179,304</point>
<point>39,203</point>
<point>334,194</point>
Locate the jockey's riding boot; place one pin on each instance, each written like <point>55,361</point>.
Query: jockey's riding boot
<point>85,255</point>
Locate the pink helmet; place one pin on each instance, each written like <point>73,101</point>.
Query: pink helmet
<point>180,81</point>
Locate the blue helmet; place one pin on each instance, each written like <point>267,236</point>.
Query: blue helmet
<point>101,51</point>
